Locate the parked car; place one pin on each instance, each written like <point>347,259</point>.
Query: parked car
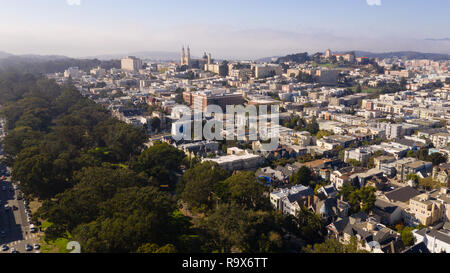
<point>5,248</point>
<point>13,250</point>
<point>37,246</point>
<point>33,228</point>
<point>6,207</point>
<point>28,247</point>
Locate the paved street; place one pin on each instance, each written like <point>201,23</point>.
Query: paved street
<point>14,222</point>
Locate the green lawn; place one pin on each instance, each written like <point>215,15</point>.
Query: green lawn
<point>368,90</point>
<point>45,224</point>
<point>327,65</point>
<point>56,246</point>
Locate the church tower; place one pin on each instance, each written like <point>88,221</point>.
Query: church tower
<point>183,57</point>
<point>188,57</point>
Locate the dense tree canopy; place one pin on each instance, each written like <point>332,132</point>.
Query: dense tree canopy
<point>231,229</point>
<point>159,163</point>
<point>203,185</point>
<point>334,246</point>
<point>360,199</point>
<point>244,189</point>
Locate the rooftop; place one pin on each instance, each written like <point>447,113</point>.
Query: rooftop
<point>402,194</point>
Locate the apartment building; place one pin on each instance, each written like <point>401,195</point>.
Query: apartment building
<point>131,64</point>
<point>440,140</point>
<point>201,99</point>
<point>359,154</point>
<point>414,166</point>
<point>328,76</point>
<point>428,208</point>
<point>267,70</point>
<point>238,159</point>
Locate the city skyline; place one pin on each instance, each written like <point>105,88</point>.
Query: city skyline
<point>252,29</point>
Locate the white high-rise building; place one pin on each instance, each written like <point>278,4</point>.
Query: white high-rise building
<point>73,72</point>
<point>131,64</point>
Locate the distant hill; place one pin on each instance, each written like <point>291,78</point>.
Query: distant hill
<point>405,54</point>
<point>4,55</point>
<point>267,59</point>
<point>38,64</point>
<point>294,58</point>
<point>43,58</point>
<point>301,57</point>
<point>439,39</point>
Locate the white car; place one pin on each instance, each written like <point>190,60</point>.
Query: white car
<point>33,228</point>
<point>37,246</point>
<point>6,207</point>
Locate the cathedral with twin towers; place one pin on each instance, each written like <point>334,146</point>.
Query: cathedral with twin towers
<point>185,58</point>
<point>194,63</point>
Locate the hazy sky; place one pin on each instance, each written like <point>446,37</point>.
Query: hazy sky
<point>227,29</point>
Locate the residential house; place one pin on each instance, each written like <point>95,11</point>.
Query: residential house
<point>401,196</point>
<point>372,235</point>
<point>291,200</point>
<point>441,173</point>
<point>436,240</point>
<point>387,213</point>
<point>330,208</point>
<point>419,167</point>
<point>328,191</point>
<point>270,175</point>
